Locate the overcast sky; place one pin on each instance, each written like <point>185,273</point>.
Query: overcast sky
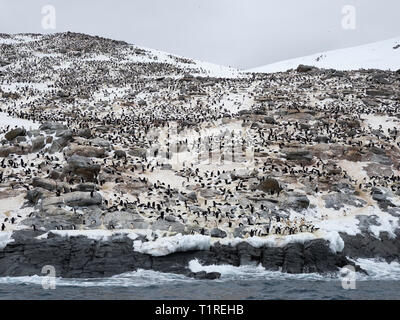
<point>239,33</point>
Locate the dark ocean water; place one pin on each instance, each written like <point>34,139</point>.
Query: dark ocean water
<point>204,290</point>
<point>236,283</point>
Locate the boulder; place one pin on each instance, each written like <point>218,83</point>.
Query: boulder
<point>304,68</point>
<point>82,166</point>
<point>298,155</point>
<point>85,187</point>
<point>85,133</point>
<point>295,201</point>
<point>101,143</point>
<point>203,275</point>
<point>6,151</point>
<point>119,154</point>
<point>59,144</point>
<point>269,185</point>
<point>38,143</point>
<point>379,92</point>
<point>167,225</point>
<point>49,184</point>
<point>138,152</point>
<point>74,199</point>
<point>35,194</point>
<point>321,139</point>
<point>217,233</point>
<point>11,135</point>
<point>86,151</point>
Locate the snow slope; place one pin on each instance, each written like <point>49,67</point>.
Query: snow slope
<point>132,54</point>
<point>378,55</point>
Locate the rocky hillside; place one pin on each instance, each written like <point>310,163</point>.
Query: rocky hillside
<point>112,156</point>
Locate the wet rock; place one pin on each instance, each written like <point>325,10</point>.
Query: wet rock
<point>272,258</point>
<point>203,275</point>
<point>99,142</point>
<point>367,245</point>
<point>248,254</point>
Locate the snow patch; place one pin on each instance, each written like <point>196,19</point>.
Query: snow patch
<point>377,55</point>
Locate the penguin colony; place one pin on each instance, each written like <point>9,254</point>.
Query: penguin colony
<point>124,141</point>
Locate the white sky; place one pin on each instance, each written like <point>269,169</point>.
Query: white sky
<point>239,33</point>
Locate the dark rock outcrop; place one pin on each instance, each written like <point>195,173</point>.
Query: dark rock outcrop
<point>269,185</point>
<point>82,166</point>
<point>11,135</point>
<point>79,256</point>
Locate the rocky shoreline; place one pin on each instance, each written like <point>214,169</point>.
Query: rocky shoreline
<point>80,257</point>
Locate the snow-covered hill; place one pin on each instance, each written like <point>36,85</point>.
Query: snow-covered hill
<point>378,55</point>
<point>71,48</point>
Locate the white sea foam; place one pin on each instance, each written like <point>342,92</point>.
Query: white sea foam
<point>98,234</point>
<point>139,278</point>
<point>379,269</point>
<point>178,243</point>
<point>5,238</point>
<point>252,272</point>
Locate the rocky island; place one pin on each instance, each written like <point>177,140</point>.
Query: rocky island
<point>115,158</point>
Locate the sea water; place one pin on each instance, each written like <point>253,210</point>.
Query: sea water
<point>237,283</point>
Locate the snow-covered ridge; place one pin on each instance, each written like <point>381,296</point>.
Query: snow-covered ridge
<point>383,55</point>
<point>133,54</point>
